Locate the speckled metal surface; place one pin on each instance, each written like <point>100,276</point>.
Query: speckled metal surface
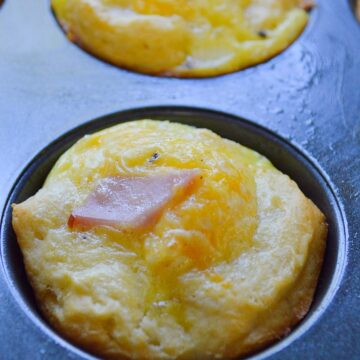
<point>310,94</point>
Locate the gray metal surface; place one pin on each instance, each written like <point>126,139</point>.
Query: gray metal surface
<point>310,94</point>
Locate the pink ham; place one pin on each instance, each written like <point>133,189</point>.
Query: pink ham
<point>307,5</point>
<point>133,202</point>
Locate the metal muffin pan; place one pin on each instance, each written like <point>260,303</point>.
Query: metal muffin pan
<point>309,94</point>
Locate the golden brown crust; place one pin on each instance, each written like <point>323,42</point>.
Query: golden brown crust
<point>284,315</point>
<point>298,301</point>
<point>294,304</point>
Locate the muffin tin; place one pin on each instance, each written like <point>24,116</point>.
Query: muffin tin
<point>309,95</point>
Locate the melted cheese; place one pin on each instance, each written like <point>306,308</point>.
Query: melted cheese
<point>182,38</point>
<point>203,229</point>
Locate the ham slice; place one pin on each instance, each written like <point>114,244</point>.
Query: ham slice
<point>307,5</point>
<point>133,202</point>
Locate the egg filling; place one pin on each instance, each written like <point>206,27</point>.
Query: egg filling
<point>183,38</point>
<point>232,255</point>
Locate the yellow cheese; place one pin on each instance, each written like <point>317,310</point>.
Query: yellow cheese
<point>182,38</point>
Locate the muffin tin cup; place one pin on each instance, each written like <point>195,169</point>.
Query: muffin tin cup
<point>286,157</point>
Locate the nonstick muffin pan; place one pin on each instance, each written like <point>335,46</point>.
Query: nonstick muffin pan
<point>308,95</point>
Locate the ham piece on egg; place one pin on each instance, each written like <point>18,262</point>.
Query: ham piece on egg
<point>307,5</point>
<point>133,202</point>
